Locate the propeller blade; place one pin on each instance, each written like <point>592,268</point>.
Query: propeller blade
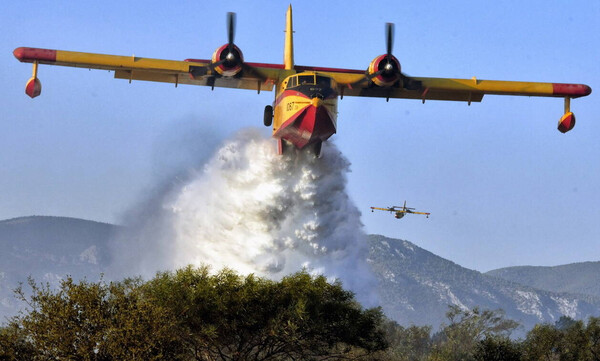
<point>214,65</point>
<point>230,28</point>
<point>389,39</point>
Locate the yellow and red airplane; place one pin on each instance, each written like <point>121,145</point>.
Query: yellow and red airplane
<point>304,113</point>
<point>400,211</point>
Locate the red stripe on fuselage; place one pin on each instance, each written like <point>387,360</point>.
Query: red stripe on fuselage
<point>287,93</point>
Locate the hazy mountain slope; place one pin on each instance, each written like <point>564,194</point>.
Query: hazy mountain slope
<point>582,278</point>
<point>417,286</point>
<point>48,248</point>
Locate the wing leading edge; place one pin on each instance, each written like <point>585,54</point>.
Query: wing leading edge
<point>255,76</point>
<point>354,83</point>
<point>261,76</point>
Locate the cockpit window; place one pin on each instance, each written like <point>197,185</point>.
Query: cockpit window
<point>309,79</point>
<point>323,81</point>
<point>306,79</point>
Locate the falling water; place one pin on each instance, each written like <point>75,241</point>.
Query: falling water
<point>253,211</point>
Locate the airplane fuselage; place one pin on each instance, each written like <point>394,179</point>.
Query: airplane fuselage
<point>305,109</point>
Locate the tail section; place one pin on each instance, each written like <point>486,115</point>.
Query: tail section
<point>288,50</point>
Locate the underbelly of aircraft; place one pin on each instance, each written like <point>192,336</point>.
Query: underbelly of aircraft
<point>307,126</point>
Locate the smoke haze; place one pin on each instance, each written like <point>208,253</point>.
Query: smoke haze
<point>253,211</point>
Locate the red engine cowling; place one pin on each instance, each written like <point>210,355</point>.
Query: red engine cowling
<point>384,71</point>
<point>229,62</point>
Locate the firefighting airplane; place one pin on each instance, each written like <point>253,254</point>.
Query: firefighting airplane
<point>304,113</point>
<point>400,211</point>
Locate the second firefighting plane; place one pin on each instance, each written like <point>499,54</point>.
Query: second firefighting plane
<point>304,112</point>
<point>400,211</point>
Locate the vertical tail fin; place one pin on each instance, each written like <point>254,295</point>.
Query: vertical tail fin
<point>288,50</point>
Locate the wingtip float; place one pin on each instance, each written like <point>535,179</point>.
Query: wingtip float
<point>33,88</point>
<point>304,112</point>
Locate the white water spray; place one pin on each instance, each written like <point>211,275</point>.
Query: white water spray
<point>253,211</point>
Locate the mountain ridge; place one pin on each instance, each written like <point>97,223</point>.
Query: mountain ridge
<point>577,278</point>
<point>415,285</point>
<point>433,283</point>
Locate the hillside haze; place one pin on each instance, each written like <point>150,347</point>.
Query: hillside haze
<point>48,249</point>
<point>414,285</point>
<point>578,278</point>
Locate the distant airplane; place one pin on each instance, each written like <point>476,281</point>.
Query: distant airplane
<point>400,211</point>
<point>304,113</point>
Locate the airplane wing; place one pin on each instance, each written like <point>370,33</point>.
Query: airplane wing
<point>383,209</point>
<point>261,76</point>
<point>424,213</point>
<point>254,76</point>
<point>356,83</point>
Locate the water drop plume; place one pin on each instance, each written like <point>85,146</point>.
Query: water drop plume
<point>253,211</point>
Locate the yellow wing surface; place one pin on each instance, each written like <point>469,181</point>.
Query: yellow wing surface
<point>355,83</point>
<point>424,213</point>
<point>384,209</point>
<point>260,76</point>
<point>253,76</point>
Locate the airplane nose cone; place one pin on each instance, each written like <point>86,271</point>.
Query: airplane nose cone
<point>316,102</point>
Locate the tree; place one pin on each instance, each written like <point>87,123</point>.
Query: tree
<point>497,348</point>
<point>96,321</point>
<point>593,334</point>
<point>573,345</point>
<point>567,340</point>
<point>68,323</point>
<point>542,343</point>
<point>564,322</point>
<point>228,317</point>
<point>406,344</point>
<point>193,315</point>
<point>459,339</point>
<point>139,329</point>
<point>14,345</point>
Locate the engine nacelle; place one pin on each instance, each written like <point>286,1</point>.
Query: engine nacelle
<point>385,72</point>
<point>229,63</point>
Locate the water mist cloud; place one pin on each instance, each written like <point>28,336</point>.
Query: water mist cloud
<point>253,211</point>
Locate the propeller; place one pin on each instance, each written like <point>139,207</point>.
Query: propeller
<point>389,40</point>
<point>232,56</point>
<point>230,35</point>
<point>385,66</point>
<point>385,69</point>
<point>227,60</point>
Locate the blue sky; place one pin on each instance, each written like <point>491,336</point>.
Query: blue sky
<point>503,185</point>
